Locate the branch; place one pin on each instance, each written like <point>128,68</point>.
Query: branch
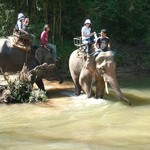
<point>5,76</point>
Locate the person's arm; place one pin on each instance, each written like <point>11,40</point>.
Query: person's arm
<point>88,35</point>
<point>109,44</point>
<point>98,43</point>
<point>23,31</point>
<point>85,34</point>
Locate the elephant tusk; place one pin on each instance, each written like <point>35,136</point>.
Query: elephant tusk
<point>106,87</point>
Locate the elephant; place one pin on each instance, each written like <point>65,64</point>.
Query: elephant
<point>100,70</point>
<point>12,60</point>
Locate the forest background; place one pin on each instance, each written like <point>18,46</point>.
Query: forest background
<point>127,23</point>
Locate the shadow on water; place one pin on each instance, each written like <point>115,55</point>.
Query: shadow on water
<point>136,87</point>
<point>135,100</point>
<point>138,101</point>
<point>59,93</point>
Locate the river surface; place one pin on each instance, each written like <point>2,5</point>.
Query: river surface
<point>69,122</point>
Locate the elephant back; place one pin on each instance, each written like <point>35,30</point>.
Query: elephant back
<point>11,59</point>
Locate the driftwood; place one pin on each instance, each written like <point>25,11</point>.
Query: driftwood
<point>21,90</point>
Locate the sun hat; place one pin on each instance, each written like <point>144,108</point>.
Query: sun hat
<point>21,16</point>
<point>87,21</point>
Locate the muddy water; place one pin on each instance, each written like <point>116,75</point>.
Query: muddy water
<point>68,122</point>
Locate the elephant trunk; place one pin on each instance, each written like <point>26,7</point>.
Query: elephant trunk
<point>58,75</point>
<point>114,85</point>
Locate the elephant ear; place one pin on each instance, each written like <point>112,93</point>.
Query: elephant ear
<point>39,55</point>
<point>43,55</point>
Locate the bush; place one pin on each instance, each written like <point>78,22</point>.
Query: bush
<point>20,89</point>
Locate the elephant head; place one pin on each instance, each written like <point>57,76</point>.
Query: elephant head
<point>104,70</point>
<point>43,55</point>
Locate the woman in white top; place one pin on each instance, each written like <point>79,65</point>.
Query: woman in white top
<point>86,34</point>
<point>20,24</point>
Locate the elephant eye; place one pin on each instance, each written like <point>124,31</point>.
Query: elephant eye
<point>103,70</point>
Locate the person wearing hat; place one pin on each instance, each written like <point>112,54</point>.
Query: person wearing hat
<point>20,27</point>
<point>86,34</point>
<point>44,42</point>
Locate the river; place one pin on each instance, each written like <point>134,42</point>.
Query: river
<point>69,122</point>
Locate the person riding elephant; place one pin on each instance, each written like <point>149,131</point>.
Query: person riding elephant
<point>86,35</point>
<point>101,69</point>
<point>20,26</point>
<point>102,43</point>
<point>45,44</point>
<point>21,37</point>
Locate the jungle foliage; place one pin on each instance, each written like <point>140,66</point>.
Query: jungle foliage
<point>127,23</point>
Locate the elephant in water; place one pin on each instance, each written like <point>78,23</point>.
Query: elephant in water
<point>13,59</point>
<point>100,69</point>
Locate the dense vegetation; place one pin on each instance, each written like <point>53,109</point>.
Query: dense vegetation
<point>127,22</point>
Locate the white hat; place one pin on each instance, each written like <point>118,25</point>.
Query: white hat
<point>87,21</point>
<point>20,16</point>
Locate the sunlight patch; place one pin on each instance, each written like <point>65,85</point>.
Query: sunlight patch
<point>49,87</point>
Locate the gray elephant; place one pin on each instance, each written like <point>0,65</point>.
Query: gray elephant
<point>100,69</point>
<point>13,59</point>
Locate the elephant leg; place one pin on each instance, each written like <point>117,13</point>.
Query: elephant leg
<point>58,76</point>
<point>75,78</point>
<point>40,84</point>
<point>100,87</point>
<point>85,81</point>
<point>88,89</point>
<point>77,86</point>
